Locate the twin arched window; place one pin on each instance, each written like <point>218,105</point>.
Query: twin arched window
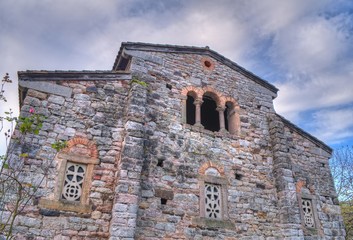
<point>207,108</point>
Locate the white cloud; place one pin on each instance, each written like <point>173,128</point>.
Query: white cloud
<point>310,46</point>
<point>306,42</point>
<point>333,125</point>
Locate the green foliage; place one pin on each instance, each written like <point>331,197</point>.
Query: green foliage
<point>31,124</point>
<point>59,145</point>
<point>347,214</point>
<point>137,81</point>
<point>15,194</point>
<point>24,155</point>
<point>6,79</point>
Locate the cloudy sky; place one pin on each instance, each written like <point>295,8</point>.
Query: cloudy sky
<point>303,47</point>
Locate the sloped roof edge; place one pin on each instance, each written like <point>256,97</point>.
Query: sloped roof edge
<point>57,75</point>
<point>192,50</point>
<point>305,134</point>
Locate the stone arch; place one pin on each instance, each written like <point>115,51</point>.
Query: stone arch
<point>81,146</point>
<point>194,91</point>
<point>209,164</point>
<point>208,108</point>
<point>217,96</point>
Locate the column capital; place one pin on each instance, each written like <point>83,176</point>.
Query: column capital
<point>198,101</point>
<point>221,108</point>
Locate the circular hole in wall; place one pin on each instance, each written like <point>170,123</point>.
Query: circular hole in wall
<point>207,64</point>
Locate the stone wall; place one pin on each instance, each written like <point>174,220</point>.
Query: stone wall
<point>184,149</point>
<point>95,113</point>
<point>150,179</point>
<point>262,166</point>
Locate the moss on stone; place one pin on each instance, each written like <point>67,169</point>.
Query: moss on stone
<point>137,81</point>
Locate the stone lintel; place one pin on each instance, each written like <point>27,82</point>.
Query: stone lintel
<point>47,87</point>
<point>64,206</point>
<point>164,193</point>
<point>78,158</point>
<point>212,223</point>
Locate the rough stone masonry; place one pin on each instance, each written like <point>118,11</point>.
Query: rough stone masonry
<point>174,142</point>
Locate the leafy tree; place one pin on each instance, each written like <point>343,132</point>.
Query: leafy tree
<point>347,213</point>
<point>341,165</point>
<point>17,189</point>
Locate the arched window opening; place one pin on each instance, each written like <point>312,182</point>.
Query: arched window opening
<point>209,114</point>
<point>190,110</point>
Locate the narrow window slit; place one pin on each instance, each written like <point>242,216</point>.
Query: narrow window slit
<point>260,186</point>
<point>238,176</point>
<point>160,162</point>
<point>163,201</point>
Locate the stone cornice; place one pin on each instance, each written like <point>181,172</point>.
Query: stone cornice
<point>57,75</point>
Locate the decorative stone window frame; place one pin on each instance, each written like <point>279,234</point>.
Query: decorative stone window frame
<point>214,179</point>
<point>303,193</point>
<point>221,101</point>
<point>66,155</point>
<point>207,176</point>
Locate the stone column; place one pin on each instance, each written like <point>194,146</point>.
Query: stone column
<point>221,110</point>
<point>128,184</point>
<point>288,206</point>
<point>198,102</point>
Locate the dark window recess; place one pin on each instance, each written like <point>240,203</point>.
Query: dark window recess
<point>261,186</point>
<point>209,114</point>
<point>226,113</point>
<point>238,176</point>
<point>160,162</point>
<point>169,86</point>
<point>23,94</point>
<point>163,201</point>
<point>123,64</point>
<point>190,110</point>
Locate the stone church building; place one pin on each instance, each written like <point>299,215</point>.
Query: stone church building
<point>175,142</point>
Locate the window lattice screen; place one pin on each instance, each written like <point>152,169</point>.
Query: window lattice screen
<point>74,177</point>
<point>308,213</point>
<point>213,201</point>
